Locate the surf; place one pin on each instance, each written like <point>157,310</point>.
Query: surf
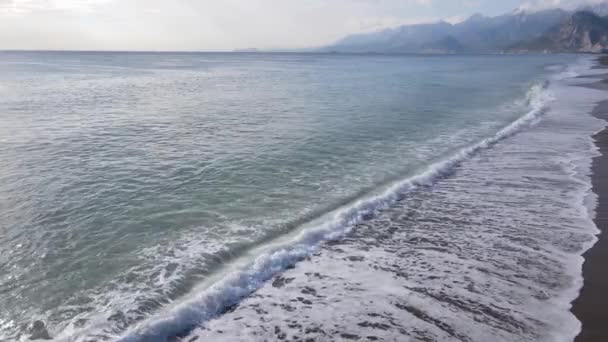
<point>251,271</point>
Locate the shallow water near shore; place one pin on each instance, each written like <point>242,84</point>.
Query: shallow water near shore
<point>147,194</point>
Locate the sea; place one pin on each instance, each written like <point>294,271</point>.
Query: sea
<point>298,197</point>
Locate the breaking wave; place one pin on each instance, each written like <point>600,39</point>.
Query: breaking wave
<point>245,276</point>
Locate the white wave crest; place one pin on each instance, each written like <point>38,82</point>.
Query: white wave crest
<point>244,279</point>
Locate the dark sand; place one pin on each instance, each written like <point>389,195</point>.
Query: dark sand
<point>591,307</point>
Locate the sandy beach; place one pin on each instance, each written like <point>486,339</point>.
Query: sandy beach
<point>591,307</point>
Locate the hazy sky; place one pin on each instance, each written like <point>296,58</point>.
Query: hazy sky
<point>221,24</point>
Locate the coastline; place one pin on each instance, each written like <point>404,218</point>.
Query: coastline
<point>591,307</point>
<point>444,273</point>
<point>443,277</point>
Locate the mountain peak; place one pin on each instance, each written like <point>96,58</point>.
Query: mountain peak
<point>520,10</point>
<point>600,8</point>
<point>552,30</point>
<point>582,31</point>
<point>476,17</point>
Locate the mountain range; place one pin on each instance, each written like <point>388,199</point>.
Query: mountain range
<point>549,31</point>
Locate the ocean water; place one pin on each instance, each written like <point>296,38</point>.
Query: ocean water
<point>163,197</point>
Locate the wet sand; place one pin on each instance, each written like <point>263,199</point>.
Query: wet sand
<point>487,253</point>
<point>591,307</point>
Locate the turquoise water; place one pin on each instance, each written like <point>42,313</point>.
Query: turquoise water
<point>127,180</point>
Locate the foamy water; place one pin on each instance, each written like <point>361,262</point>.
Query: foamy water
<point>171,196</point>
<point>240,283</point>
<point>491,252</point>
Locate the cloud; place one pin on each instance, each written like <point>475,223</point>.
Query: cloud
<point>539,5</point>
<point>220,24</point>
<point>536,5</point>
<point>23,7</point>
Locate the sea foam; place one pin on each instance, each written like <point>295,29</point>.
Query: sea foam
<point>243,278</point>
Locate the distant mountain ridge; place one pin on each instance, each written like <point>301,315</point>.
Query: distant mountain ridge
<point>583,31</point>
<point>553,30</point>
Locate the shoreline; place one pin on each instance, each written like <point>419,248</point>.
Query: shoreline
<point>591,307</point>
<point>444,276</point>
